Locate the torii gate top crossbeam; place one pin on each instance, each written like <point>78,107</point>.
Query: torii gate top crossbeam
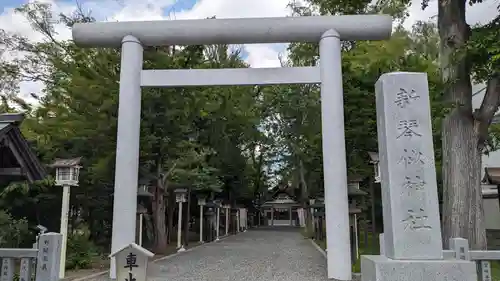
<point>233,31</point>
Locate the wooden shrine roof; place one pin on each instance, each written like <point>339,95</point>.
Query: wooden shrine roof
<point>17,160</point>
<point>62,163</point>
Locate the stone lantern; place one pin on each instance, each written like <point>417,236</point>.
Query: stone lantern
<point>238,218</point>
<point>201,202</point>
<point>319,218</point>
<point>234,215</point>
<point>354,192</point>
<point>374,160</point>
<point>355,195</point>
<point>180,197</point>
<point>218,205</point>
<point>312,201</point>
<point>227,209</point>
<point>210,213</point>
<point>318,214</point>
<point>67,173</point>
<point>143,195</point>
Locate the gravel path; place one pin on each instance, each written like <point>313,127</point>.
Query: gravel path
<point>265,254</point>
<point>256,255</point>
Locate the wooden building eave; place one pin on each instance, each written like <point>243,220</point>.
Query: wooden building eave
<point>30,167</point>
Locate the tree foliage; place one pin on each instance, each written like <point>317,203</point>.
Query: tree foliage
<point>196,136</point>
<point>233,143</point>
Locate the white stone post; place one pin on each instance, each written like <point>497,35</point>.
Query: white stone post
<point>64,228</point>
<point>141,223</point>
<point>217,222</point>
<point>201,223</point>
<point>127,147</point>
<point>381,243</point>
<point>227,220</point>
<point>356,237</point>
<point>48,258</point>
<point>237,220</point>
<point>334,158</point>
<point>244,218</point>
<point>180,246</point>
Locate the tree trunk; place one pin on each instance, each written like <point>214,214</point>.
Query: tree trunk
<point>161,242</point>
<point>149,225</point>
<point>302,178</point>
<point>462,198</point>
<point>305,196</point>
<point>170,217</point>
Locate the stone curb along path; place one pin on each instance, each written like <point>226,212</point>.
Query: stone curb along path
<point>355,276</point>
<point>323,252</point>
<point>86,278</point>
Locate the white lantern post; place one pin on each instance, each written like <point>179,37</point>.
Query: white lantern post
<point>311,202</point>
<point>227,218</point>
<point>375,161</point>
<point>67,173</point>
<point>142,196</point>
<point>201,201</point>
<point>313,220</point>
<point>180,197</point>
<point>217,220</point>
<point>238,219</point>
<point>141,210</point>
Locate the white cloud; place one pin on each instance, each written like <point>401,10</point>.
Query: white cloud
<point>236,9</point>
<point>478,13</point>
<point>260,55</point>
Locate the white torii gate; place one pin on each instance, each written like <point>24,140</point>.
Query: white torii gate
<point>327,30</point>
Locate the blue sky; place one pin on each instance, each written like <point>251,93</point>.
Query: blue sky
<point>10,3</point>
<point>180,5</point>
<point>256,55</point>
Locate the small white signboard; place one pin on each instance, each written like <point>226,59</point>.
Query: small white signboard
<point>131,263</point>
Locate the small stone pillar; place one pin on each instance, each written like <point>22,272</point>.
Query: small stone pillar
<point>132,262</point>
<point>49,257</point>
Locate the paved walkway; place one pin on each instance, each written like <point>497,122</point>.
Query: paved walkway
<point>279,254</point>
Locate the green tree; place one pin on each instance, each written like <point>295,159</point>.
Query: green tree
<point>199,136</point>
<point>465,51</point>
<point>297,109</point>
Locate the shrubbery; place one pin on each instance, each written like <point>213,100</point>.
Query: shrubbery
<point>81,251</point>
<point>12,231</point>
